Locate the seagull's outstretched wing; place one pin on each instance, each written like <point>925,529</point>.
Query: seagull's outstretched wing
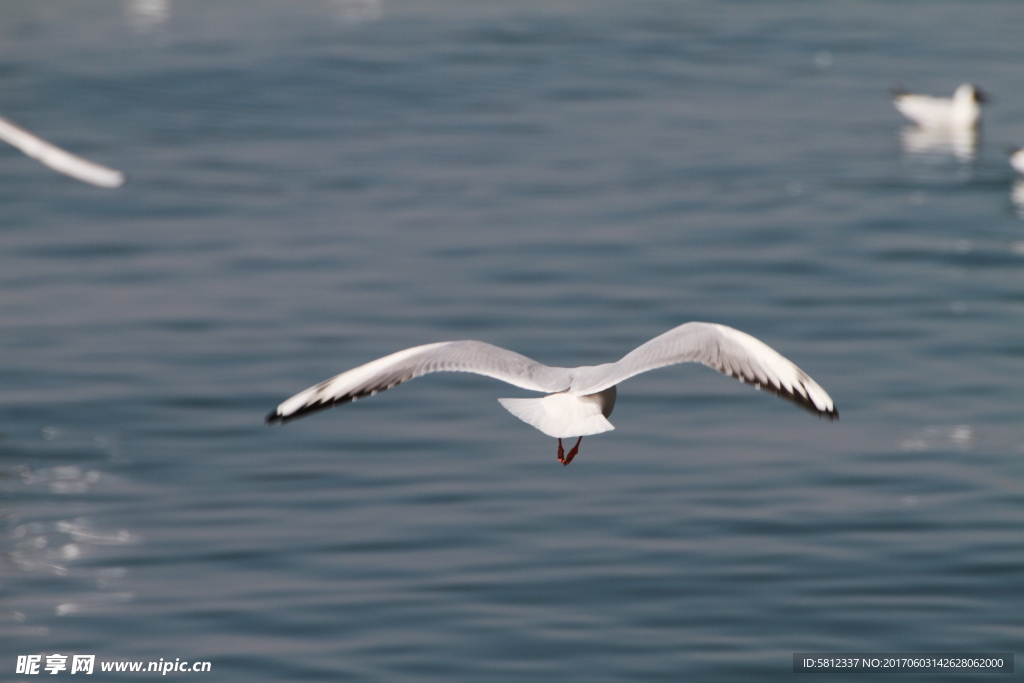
<point>58,159</point>
<point>725,349</point>
<point>452,356</point>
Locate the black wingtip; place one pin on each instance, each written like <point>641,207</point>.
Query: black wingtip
<point>277,418</point>
<point>802,400</point>
<point>831,414</point>
<point>898,91</point>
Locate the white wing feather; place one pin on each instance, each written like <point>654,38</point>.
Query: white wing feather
<point>59,159</point>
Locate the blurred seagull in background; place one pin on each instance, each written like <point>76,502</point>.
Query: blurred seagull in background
<point>1017,159</point>
<point>59,159</point>
<point>963,110</point>
<point>1017,192</point>
<point>579,400</point>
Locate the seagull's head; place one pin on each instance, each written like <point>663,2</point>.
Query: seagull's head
<point>970,93</point>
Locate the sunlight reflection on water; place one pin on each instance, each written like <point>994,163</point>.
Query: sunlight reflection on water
<point>38,541</point>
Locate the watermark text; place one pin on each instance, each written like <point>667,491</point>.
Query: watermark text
<point>87,664</point>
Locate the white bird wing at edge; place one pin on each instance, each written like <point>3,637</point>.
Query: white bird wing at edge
<point>59,159</point>
<point>727,350</point>
<point>452,356</point>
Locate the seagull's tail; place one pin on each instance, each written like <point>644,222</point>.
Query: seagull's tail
<point>560,415</point>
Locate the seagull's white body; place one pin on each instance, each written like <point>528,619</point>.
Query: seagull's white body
<point>579,400</point>
<point>565,415</point>
<point>963,110</point>
<point>1017,160</point>
<point>59,159</point>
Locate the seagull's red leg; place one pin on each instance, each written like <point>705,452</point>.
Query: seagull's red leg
<point>572,452</point>
<point>561,453</point>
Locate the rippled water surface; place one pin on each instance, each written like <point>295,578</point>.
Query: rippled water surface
<point>315,184</point>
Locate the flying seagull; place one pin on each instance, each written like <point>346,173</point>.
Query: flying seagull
<point>963,110</point>
<point>59,159</point>
<point>579,400</point>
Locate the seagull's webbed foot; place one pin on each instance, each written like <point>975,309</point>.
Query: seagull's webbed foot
<point>566,458</point>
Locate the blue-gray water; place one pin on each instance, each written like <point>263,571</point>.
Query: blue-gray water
<point>315,184</point>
